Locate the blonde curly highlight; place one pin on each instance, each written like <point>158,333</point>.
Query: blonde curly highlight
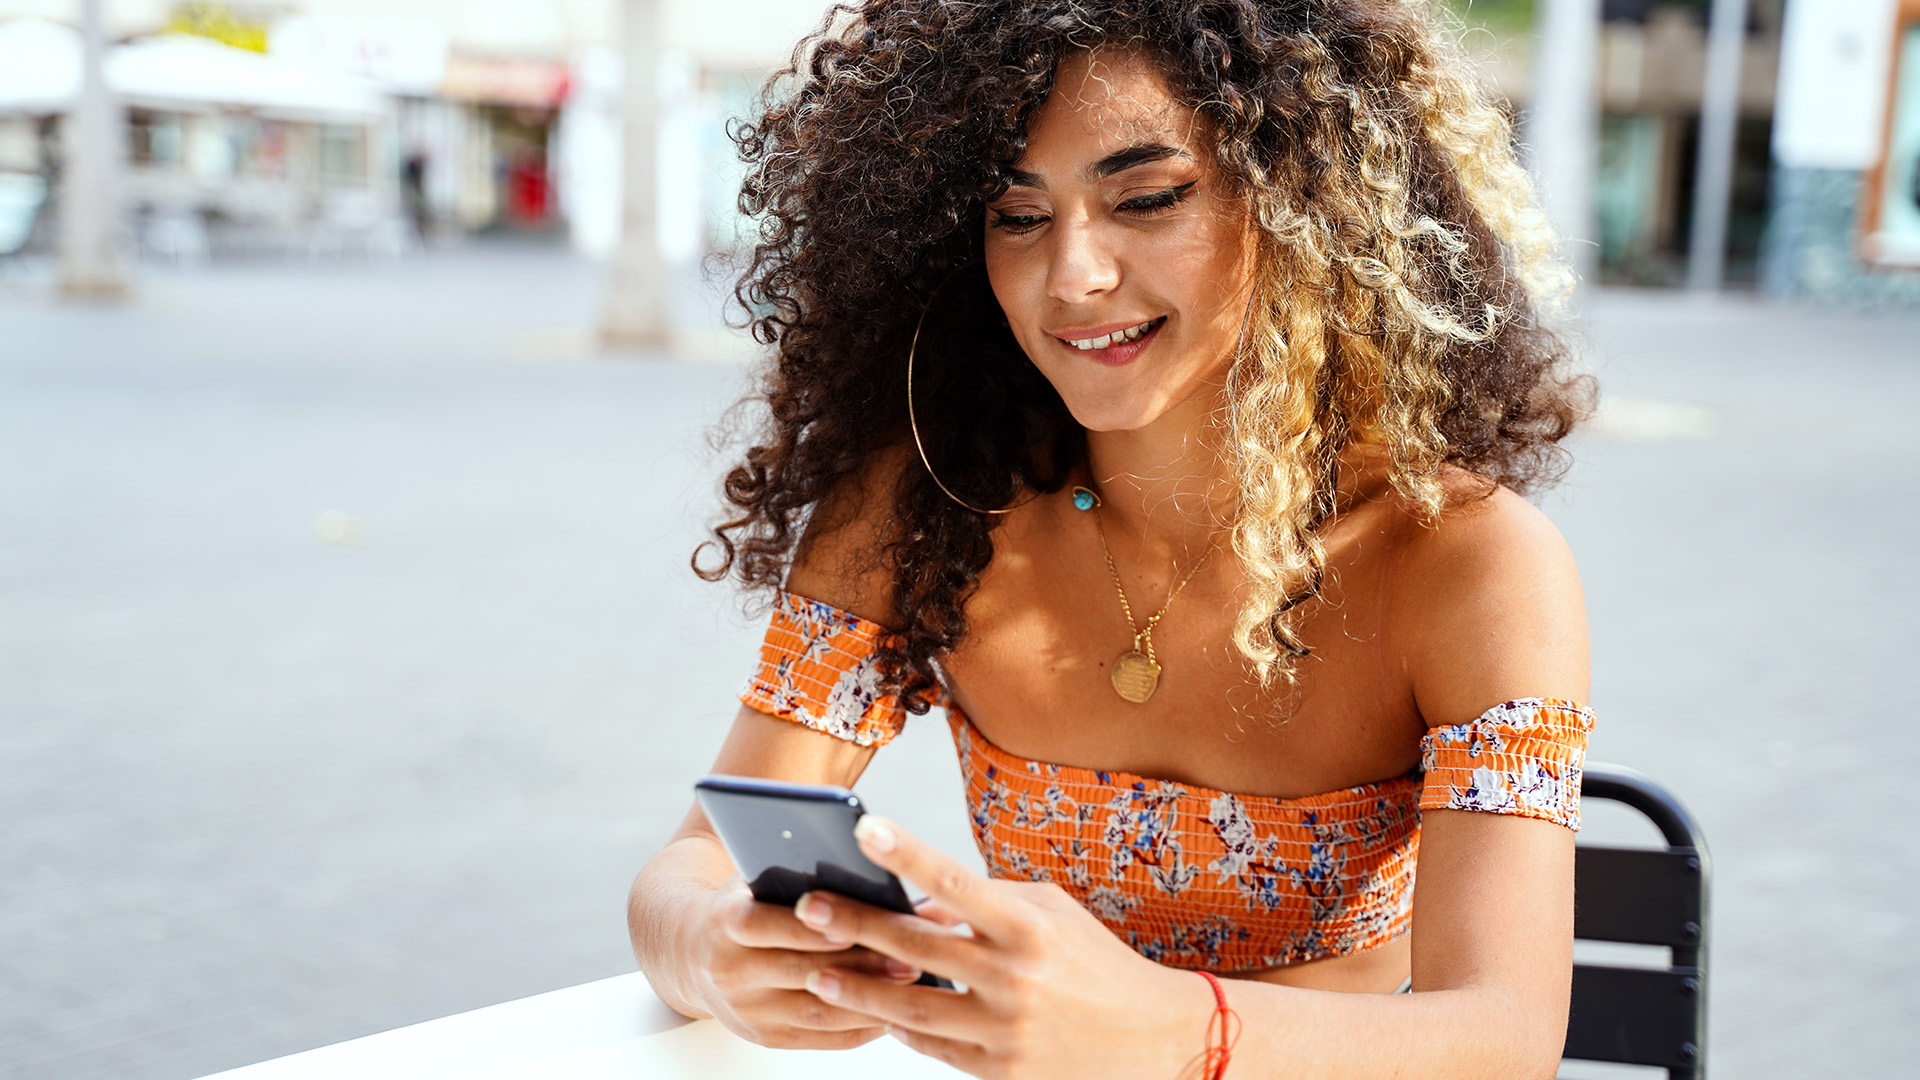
<point>1345,332</point>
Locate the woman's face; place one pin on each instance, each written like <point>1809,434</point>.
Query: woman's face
<point>1121,264</point>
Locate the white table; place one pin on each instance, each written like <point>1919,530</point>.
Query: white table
<point>614,1028</point>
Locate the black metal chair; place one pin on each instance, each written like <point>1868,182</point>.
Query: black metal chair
<point>1642,896</point>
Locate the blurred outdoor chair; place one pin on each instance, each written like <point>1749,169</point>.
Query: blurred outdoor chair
<point>1642,896</point>
<point>357,221</point>
<point>177,234</point>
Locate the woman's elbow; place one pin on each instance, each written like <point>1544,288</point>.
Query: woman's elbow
<point>1536,1034</point>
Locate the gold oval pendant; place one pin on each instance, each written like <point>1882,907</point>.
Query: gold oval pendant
<point>1135,677</point>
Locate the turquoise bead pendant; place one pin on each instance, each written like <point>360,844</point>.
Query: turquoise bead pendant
<point>1085,499</point>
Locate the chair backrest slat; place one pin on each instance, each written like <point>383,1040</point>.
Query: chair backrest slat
<point>1636,1016</point>
<point>1646,897</point>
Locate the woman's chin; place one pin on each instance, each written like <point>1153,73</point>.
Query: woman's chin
<point>1136,396</point>
<point>1120,415</point>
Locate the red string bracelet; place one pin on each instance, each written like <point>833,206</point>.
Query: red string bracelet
<point>1228,1022</point>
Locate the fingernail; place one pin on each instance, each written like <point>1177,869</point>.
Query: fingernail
<point>825,984</point>
<point>814,910</point>
<point>873,833</point>
<point>900,970</point>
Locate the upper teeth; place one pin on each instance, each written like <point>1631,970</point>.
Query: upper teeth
<point>1131,333</point>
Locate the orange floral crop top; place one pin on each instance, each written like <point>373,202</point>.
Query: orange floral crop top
<point>1190,876</point>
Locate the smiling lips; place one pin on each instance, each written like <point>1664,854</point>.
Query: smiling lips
<point>1112,346</point>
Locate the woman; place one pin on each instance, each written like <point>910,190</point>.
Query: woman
<point>1153,384</point>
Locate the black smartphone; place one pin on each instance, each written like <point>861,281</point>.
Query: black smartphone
<point>789,839</point>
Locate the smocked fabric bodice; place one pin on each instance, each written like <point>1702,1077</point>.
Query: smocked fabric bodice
<point>1188,875</point>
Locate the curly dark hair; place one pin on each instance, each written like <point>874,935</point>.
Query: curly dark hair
<point>1404,270</point>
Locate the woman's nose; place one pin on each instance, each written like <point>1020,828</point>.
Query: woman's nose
<point>1081,266</point>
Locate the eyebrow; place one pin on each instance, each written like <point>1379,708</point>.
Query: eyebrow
<point>1117,162</point>
<point>1122,160</point>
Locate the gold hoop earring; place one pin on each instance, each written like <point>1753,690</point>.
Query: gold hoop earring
<point>913,423</point>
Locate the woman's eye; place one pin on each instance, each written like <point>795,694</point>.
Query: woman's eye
<point>1018,223</point>
<point>1158,201</point>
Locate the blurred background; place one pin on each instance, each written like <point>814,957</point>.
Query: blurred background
<point>359,392</point>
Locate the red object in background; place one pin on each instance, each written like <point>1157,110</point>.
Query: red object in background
<point>529,195</point>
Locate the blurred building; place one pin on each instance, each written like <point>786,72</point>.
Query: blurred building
<point>1653,61</point>
<point>428,119</point>
<point>327,125</point>
<point>1650,78</point>
<point>1846,209</point>
<point>1826,192</point>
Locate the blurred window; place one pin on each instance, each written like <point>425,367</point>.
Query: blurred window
<point>1894,226</point>
<point>342,156</point>
<point>155,136</point>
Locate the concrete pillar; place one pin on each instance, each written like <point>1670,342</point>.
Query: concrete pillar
<point>1719,140</point>
<point>636,308</point>
<point>91,262</point>
<point>1563,125</point>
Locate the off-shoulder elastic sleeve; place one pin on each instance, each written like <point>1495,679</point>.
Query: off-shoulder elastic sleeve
<point>1519,757</point>
<point>817,668</point>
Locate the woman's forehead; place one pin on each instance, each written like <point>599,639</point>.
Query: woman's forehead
<point>1105,100</point>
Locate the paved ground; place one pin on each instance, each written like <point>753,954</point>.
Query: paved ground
<point>349,666</point>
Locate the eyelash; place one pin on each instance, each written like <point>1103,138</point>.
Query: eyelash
<point>1159,200</point>
<point>1144,205</point>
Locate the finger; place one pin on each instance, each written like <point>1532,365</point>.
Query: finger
<point>792,1038</point>
<point>772,926</point>
<point>920,942</point>
<point>945,879</point>
<point>801,1010</point>
<point>789,969</point>
<point>867,962</point>
<point>929,908</point>
<point>962,1055</point>
<point>945,1013</point>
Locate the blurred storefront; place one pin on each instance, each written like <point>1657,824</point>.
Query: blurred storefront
<point>1826,171</point>
<point>1653,62</point>
<point>481,153</point>
<point>229,149</point>
<point>1651,74</point>
<point>1650,80</point>
<point>491,116</point>
<point>1847,153</point>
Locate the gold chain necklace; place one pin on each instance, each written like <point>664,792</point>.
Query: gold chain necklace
<point>1136,673</point>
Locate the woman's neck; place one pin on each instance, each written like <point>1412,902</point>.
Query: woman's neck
<point>1170,485</point>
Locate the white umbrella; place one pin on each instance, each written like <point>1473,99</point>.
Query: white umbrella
<point>190,71</point>
<point>40,73</point>
<point>39,66</point>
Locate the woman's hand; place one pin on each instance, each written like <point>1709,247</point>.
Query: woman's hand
<point>751,963</point>
<point>1050,991</point>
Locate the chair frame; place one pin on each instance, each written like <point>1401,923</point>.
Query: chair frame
<point>1642,896</point>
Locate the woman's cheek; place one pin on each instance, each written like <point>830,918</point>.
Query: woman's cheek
<point>1017,280</point>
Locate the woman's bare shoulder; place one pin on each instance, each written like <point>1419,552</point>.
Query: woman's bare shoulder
<point>1483,523</point>
<point>842,557</point>
<point>1486,606</point>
